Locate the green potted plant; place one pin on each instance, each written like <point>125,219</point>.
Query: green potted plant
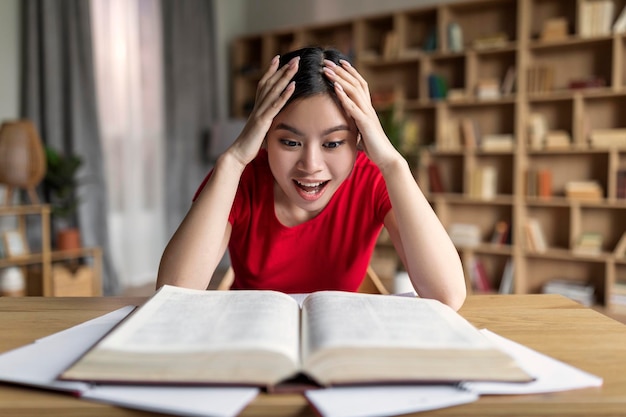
<point>60,184</point>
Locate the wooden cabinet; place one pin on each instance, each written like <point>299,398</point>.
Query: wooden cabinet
<point>51,272</point>
<point>508,101</point>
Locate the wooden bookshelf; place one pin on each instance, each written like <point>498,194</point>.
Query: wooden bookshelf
<point>44,267</point>
<point>574,80</point>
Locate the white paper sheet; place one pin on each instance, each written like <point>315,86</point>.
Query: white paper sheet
<point>550,374</point>
<point>382,401</point>
<point>180,401</point>
<point>39,363</point>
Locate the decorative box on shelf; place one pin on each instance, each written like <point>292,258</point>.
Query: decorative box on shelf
<point>67,280</point>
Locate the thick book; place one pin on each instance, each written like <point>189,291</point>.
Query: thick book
<point>263,338</point>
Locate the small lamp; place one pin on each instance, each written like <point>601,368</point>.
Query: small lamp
<point>22,158</point>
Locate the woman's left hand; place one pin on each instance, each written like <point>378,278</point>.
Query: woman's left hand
<point>354,95</point>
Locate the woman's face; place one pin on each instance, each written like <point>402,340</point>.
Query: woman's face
<point>312,146</point>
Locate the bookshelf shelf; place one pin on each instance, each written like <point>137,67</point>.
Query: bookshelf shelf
<point>584,89</point>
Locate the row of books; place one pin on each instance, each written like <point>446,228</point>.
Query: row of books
<point>535,238</point>
<point>493,88</point>
<point>483,182</point>
<point>620,192</point>
<point>582,292</point>
<point>588,243</point>
<point>485,89</point>
<point>539,183</point>
<point>589,190</point>
<point>540,78</point>
<point>596,18</point>
<point>467,235</point>
<point>617,297</point>
<point>607,138</point>
<point>540,137</point>
<point>482,283</point>
<point>437,87</point>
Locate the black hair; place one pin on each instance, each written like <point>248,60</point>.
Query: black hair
<point>310,79</point>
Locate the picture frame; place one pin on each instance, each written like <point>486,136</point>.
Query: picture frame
<point>15,243</point>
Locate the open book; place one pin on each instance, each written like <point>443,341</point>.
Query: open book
<point>265,337</point>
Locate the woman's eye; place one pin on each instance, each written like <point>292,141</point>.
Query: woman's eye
<point>290,143</point>
<point>333,145</point>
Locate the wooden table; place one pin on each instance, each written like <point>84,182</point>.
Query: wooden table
<point>549,324</point>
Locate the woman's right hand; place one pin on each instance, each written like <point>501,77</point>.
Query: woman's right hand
<point>273,91</point>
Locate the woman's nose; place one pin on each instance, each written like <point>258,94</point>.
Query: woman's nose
<point>311,159</point>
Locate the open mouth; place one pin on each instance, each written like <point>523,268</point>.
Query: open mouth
<point>311,188</point>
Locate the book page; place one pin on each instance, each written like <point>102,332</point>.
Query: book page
<point>193,336</point>
<point>183,320</point>
<point>361,320</point>
<point>363,338</point>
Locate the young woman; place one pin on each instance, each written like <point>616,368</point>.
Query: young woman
<point>301,195</point>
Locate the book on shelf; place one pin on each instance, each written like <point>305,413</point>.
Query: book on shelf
<point>584,190</point>
<point>620,184</point>
<point>488,89</point>
<point>431,42</point>
<point>588,82</point>
<point>537,129</point>
<point>434,178</point>
<point>617,297</point>
<point>484,182</point>
<point>540,78</point>
<point>539,183</point>
<point>619,288</point>
<point>620,248</point>
<point>544,183</point>
<point>554,29</point>
<point>465,235</point>
<point>620,23</point>
<point>595,18</point>
<point>581,292</point>
<point>589,243</point>
<point>478,276</point>
<point>263,338</point>
<point>500,235</point>
<point>506,282</point>
<point>495,40</point>
<point>391,45</point>
<point>451,136</point>
<point>535,238</point>
<point>469,132</point>
<point>437,87</point>
<point>503,142</point>
<point>508,82</point>
<point>455,37</point>
<point>557,139</point>
<point>607,138</point>
<point>456,94</point>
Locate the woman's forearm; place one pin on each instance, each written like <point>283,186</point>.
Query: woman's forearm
<point>430,257</point>
<point>198,244</point>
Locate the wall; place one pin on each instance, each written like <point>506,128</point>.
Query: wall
<point>9,64</point>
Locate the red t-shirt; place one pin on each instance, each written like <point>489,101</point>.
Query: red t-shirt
<point>329,252</point>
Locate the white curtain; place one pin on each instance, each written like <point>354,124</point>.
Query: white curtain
<point>128,61</point>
